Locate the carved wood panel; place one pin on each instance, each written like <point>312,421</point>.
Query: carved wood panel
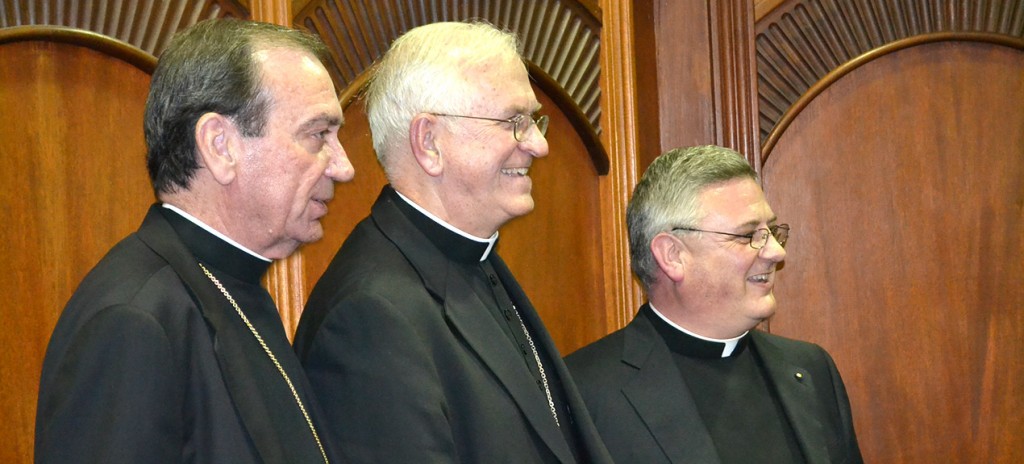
<point>901,170</point>
<point>74,183</point>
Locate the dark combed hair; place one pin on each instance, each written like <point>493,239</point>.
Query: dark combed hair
<point>209,68</point>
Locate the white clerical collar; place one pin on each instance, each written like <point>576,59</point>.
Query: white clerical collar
<point>730,344</point>
<point>489,241</point>
<point>213,231</point>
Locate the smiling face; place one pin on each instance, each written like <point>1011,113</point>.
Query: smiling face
<point>287,175</point>
<point>486,170</point>
<point>728,285</point>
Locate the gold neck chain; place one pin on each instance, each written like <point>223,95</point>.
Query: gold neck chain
<point>273,358</point>
<point>540,366</point>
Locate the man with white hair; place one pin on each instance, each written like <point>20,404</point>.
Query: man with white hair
<point>418,340</point>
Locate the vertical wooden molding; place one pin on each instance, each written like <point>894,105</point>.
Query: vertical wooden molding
<point>285,280</point>
<point>735,78</point>
<point>285,283</point>
<point>272,11</point>
<point>622,293</point>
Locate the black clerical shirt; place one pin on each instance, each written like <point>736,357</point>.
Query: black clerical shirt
<point>737,404</point>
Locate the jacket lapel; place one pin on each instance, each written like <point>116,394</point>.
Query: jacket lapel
<point>662,399</point>
<point>231,346</point>
<point>797,394</point>
<point>557,372</point>
<point>469,317</point>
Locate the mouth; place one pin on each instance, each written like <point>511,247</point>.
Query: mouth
<point>761,278</point>
<point>322,204</point>
<point>515,172</point>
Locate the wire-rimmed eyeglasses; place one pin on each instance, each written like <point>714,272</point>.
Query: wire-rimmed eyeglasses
<point>521,123</point>
<point>756,239</point>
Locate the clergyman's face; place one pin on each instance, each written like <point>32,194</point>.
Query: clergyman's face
<point>289,172</point>
<point>730,283</point>
<point>486,169</point>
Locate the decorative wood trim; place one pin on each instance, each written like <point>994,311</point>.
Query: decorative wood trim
<point>564,102</point>
<point>622,293</point>
<point>101,43</point>
<point>735,88</point>
<point>271,11</point>
<point>801,42</point>
<point>848,67</point>
<point>560,37</point>
<point>148,26</point>
<point>284,280</point>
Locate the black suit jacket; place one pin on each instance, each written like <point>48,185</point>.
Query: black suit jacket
<point>150,363</point>
<point>646,414</point>
<point>411,367</point>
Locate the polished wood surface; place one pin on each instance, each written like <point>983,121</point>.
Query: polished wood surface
<point>74,182</point>
<point>903,183</point>
<point>702,56</point>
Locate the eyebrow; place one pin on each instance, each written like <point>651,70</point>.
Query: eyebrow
<point>322,118</point>
<point>755,223</point>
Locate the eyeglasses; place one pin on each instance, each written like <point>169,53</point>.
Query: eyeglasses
<point>521,123</point>
<point>756,239</point>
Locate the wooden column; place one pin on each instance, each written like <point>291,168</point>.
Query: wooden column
<point>619,118</point>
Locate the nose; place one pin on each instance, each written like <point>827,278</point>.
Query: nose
<point>772,250</point>
<point>535,143</point>
<point>339,168</point>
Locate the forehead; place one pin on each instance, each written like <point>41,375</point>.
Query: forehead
<point>501,83</point>
<point>297,82</point>
<point>734,203</point>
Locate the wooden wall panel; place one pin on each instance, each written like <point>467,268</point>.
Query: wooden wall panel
<point>904,183</point>
<point>74,182</point>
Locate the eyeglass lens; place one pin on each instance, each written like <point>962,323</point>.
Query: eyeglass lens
<point>522,126</point>
<point>760,239</point>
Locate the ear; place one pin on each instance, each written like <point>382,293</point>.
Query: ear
<point>216,142</point>
<point>670,254</point>
<point>423,138</point>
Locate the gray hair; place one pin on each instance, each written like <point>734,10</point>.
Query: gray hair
<point>209,67</point>
<point>667,196</point>
<point>423,71</point>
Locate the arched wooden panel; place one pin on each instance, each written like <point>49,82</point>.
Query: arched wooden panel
<point>904,183</point>
<point>800,41</point>
<point>146,24</point>
<point>561,37</point>
<point>74,182</point>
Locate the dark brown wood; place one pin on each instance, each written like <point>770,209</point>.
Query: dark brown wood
<point>800,41</point>
<point>146,25</point>
<point>74,182</point>
<point>705,74</point>
<point>903,183</point>
<point>648,98</point>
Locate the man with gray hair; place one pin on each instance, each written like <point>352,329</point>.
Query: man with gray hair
<point>690,379</point>
<point>418,340</point>
<point>170,349</point>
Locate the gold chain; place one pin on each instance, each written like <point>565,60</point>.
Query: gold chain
<point>272,358</point>
<point>540,367</point>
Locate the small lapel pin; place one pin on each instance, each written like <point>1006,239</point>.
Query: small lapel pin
<point>799,376</point>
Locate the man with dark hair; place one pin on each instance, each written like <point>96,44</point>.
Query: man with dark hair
<point>418,339</point>
<point>690,379</point>
<point>170,350</point>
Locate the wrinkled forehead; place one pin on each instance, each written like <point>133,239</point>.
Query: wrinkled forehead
<point>499,82</point>
<point>738,201</point>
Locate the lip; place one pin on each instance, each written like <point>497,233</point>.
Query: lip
<point>322,206</point>
<point>770,280</point>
